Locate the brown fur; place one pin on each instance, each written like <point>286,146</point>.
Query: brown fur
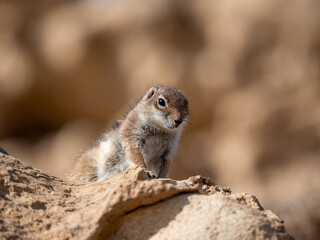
<point>85,167</point>
<point>127,132</point>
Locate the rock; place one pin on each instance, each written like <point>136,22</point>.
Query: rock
<point>195,216</point>
<point>3,151</point>
<point>128,205</point>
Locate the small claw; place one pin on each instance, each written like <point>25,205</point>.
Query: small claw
<point>151,175</point>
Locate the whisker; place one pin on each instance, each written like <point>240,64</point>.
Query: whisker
<point>187,121</point>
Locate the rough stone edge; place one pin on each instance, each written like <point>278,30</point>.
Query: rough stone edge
<point>168,188</point>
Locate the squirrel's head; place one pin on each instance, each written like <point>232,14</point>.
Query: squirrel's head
<point>166,106</point>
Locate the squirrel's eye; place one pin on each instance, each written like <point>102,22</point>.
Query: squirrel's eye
<point>162,102</point>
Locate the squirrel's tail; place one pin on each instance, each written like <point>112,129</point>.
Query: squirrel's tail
<point>85,168</point>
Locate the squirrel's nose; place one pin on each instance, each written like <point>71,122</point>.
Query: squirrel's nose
<point>178,121</point>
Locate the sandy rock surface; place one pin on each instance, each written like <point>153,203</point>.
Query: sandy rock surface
<point>34,205</point>
<point>195,216</point>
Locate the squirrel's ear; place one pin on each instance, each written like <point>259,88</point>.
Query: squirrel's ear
<point>151,92</point>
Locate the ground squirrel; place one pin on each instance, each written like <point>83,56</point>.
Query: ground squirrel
<point>147,137</point>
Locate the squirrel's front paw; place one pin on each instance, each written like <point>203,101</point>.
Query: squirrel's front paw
<point>150,174</point>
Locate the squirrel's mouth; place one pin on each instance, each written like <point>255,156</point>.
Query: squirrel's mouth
<point>172,125</point>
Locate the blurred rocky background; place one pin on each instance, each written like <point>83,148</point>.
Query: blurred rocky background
<point>251,71</point>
